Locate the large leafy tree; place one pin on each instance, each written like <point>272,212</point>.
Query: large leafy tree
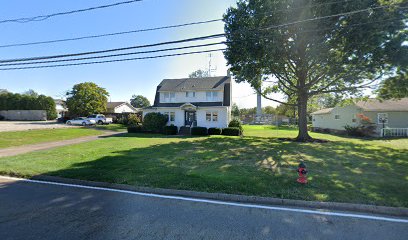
<point>394,87</point>
<point>139,101</point>
<point>199,74</point>
<point>87,98</point>
<point>303,48</point>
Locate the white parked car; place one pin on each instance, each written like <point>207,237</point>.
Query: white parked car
<point>100,119</point>
<point>81,121</point>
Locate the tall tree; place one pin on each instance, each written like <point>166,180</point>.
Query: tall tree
<point>235,110</point>
<point>199,74</point>
<point>139,101</point>
<point>31,92</point>
<point>87,98</point>
<point>303,48</point>
<point>394,87</point>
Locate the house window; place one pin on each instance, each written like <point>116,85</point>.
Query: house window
<point>208,116</point>
<point>382,118</point>
<point>215,116</point>
<point>169,97</point>
<point>171,116</point>
<point>190,94</point>
<point>337,117</point>
<point>354,120</point>
<point>211,96</point>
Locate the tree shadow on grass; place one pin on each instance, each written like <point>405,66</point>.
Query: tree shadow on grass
<point>338,171</point>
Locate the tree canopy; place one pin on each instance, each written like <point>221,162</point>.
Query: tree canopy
<point>304,48</point>
<point>87,98</point>
<point>394,87</point>
<point>139,101</point>
<point>199,74</point>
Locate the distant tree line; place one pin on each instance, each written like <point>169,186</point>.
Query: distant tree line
<point>28,101</point>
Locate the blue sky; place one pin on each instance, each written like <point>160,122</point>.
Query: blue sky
<point>122,79</point>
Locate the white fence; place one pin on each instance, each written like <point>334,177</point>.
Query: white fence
<point>394,132</point>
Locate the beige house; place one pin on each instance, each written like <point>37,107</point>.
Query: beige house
<point>390,114</point>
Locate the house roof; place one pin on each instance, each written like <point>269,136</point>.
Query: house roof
<point>194,84</point>
<point>398,105</point>
<point>376,105</point>
<point>111,105</point>
<point>323,111</point>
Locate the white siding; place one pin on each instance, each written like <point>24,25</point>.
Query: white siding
<point>200,96</point>
<point>224,116</point>
<point>124,109</point>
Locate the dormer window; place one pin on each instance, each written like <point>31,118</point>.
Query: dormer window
<point>190,94</point>
<point>211,96</point>
<point>169,97</point>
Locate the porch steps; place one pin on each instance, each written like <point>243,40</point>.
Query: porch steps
<point>185,131</point>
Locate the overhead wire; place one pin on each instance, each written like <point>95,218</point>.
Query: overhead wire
<point>44,17</point>
<point>149,29</point>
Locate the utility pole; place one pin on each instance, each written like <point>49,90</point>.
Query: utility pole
<point>210,67</point>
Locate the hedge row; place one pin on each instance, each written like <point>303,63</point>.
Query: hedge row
<point>196,131</point>
<point>16,101</point>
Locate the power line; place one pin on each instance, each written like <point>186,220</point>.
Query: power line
<point>110,34</point>
<point>113,55</point>
<point>149,29</point>
<point>172,42</point>
<point>44,17</point>
<point>115,60</point>
<point>172,49</point>
<point>115,49</point>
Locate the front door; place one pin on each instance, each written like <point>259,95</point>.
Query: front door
<point>190,118</point>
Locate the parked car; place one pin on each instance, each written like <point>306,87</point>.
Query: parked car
<point>81,121</point>
<point>100,119</point>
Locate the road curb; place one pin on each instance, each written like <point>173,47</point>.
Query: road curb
<point>392,211</point>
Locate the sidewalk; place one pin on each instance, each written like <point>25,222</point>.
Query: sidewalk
<point>12,151</point>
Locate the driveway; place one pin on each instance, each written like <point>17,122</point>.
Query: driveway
<point>30,210</point>
<point>6,126</point>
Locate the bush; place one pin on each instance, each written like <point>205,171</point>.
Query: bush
<point>170,130</point>
<point>133,120</point>
<point>214,131</point>
<point>231,131</point>
<point>360,131</point>
<point>235,123</point>
<point>199,131</point>
<point>155,122</point>
<point>135,129</point>
<point>1,118</point>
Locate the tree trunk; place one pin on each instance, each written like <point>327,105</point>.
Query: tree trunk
<point>303,135</point>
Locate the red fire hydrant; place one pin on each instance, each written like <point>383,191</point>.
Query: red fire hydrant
<point>302,173</point>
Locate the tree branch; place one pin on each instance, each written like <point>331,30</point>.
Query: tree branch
<point>272,99</point>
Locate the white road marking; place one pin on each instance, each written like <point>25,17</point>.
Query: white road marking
<point>236,204</point>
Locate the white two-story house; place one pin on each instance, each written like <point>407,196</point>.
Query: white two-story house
<point>203,102</point>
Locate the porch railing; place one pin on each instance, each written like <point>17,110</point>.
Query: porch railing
<point>394,132</point>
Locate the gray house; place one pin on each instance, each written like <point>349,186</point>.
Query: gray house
<point>389,114</point>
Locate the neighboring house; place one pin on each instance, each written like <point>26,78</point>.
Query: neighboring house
<point>203,102</point>
<point>387,113</point>
<point>61,108</point>
<point>120,107</point>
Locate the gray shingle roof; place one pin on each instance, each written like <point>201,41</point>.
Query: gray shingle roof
<point>194,84</point>
<point>112,105</point>
<point>398,105</point>
<point>323,111</point>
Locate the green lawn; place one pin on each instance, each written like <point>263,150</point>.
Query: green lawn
<point>13,139</point>
<point>343,170</point>
<point>112,127</point>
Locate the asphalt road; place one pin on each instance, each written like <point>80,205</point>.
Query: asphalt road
<point>40,211</point>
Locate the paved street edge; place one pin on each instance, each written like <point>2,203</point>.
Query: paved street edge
<point>392,211</point>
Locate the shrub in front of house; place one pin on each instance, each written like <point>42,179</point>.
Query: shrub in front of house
<point>2,118</point>
<point>135,129</point>
<point>214,131</point>
<point>170,130</point>
<point>231,131</point>
<point>133,120</point>
<point>199,131</point>
<point>155,122</point>
<point>235,123</point>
